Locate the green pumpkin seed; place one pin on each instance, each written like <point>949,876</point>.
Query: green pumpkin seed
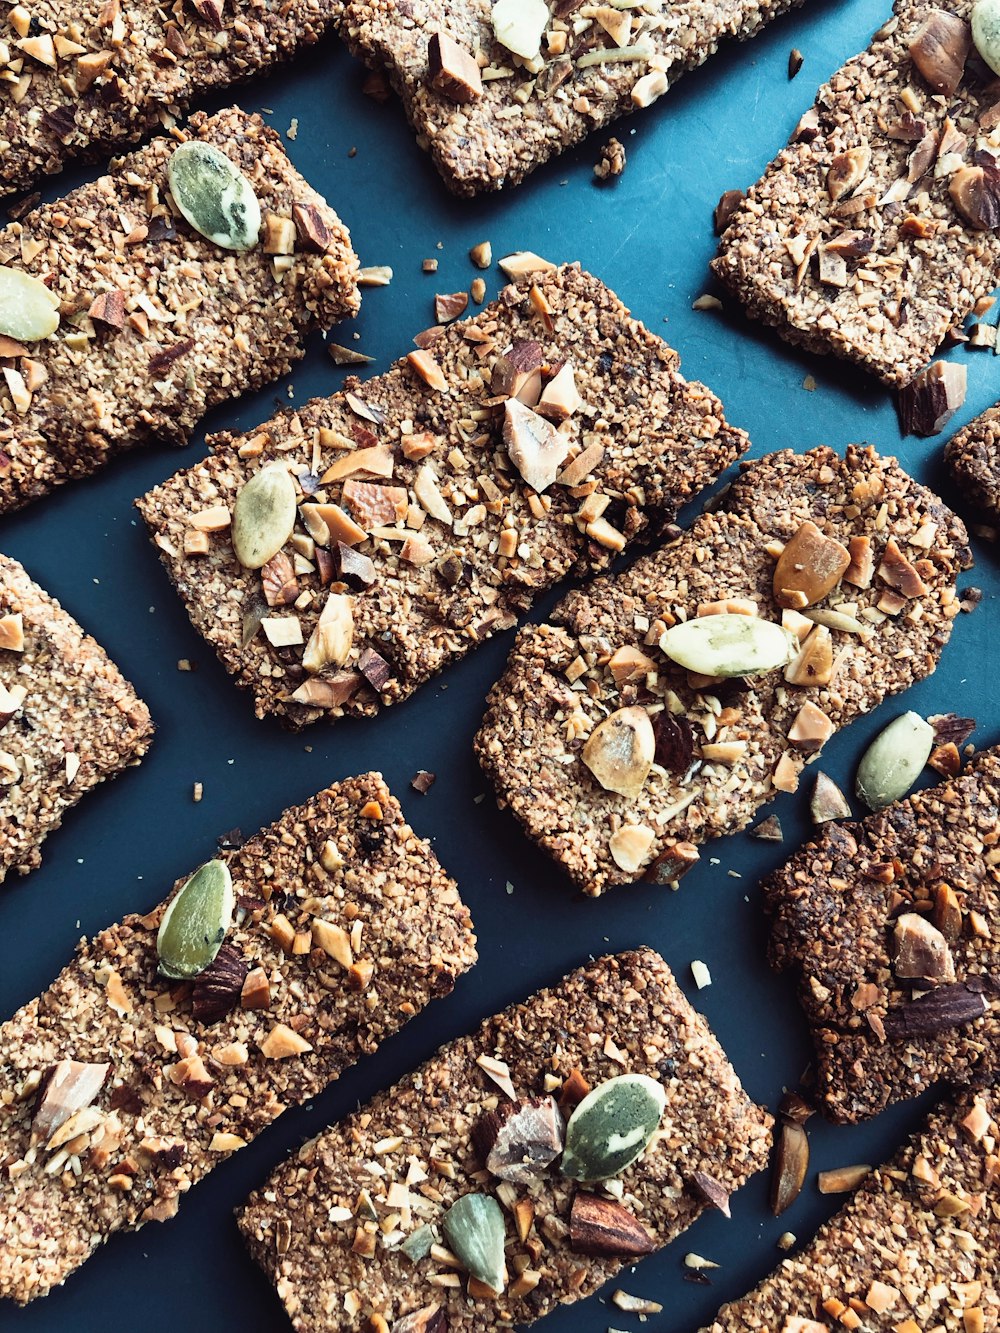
<point>418,1244</point>
<point>196,922</point>
<point>986,31</point>
<point>28,310</point>
<point>473,1227</point>
<point>612,1127</point>
<point>263,516</point>
<point>729,645</point>
<point>214,195</point>
<point>894,760</point>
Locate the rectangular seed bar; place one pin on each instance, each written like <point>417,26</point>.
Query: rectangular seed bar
<point>861,910</point>
<point>346,925</point>
<point>320,1227</point>
<point>851,243</point>
<point>159,324</point>
<point>82,80</point>
<point>916,1248</point>
<point>725,747</point>
<point>973,459</point>
<point>438,541</point>
<point>68,718</point>
<point>488,128</point>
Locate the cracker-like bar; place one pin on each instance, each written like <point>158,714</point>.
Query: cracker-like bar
<point>346,925</point>
<point>916,1248</point>
<point>851,243</point>
<point>182,324</point>
<point>973,459</point>
<point>520,116</point>
<point>68,717</point>
<point>723,747</point>
<point>848,910</point>
<point>446,540</point>
<point>410,1154</point>
<point>88,78</point>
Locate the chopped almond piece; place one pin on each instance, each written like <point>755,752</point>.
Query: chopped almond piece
<point>452,70</point>
<point>560,398</point>
<point>786,774</point>
<point>328,524</point>
<point>419,446</point>
<point>374,505</point>
<point>428,370</point>
<point>630,664</point>
<point>813,665</point>
<point>256,992</point>
<point>810,567</point>
<point>334,941</point>
<point>282,1042</point>
<point>12,632</point>
<point>377,461</point>
<point>811,729</point>
<point>897,571</point>
<point>859,572</point>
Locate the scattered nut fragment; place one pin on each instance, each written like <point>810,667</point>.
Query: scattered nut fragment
<point>932,398</point>
<point>376,275</point>
<point>795,59</point>
<point>477,290</point>
<point>523,262</point>
<point>726,208</point>
<point>897,571</point>
<point>452,70</point>
<point>811,728</point>
<point>975,192</point>
<point>635,1304</point>
<point>519,1140</point>
<point>827,802</point>
<point>612,159</point>
<point>841,1179</point>
<point>347,356</point>
<point>619,751</point>
<point>700,974</point>
<point>428,370</point>
<point>813,665</point>
<point>12,632</point>
<point>450,306</point>
<point>768,830</point>
<point>790,1166</point>
<point>560,397</point>
<point>482,254</point>
<point>940,48</point>
<point>601,1226</point>
<point>519,25</point>
<point>809,568</point>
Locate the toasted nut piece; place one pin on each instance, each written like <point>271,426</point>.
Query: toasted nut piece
<point>940,48</point>
<point>675,861</point>
<point>331,640</point>
<point>897,571</point>
<point>947,914</point>
<point>811,729</point>
<point>629,663</point>
<point>523,262</point>
<point>452,70</point>
<point>282,1042</point>
<point>482,254</point>
<point>629,845</point>
<point>859,571</point>
<point>375,461</point>
<point>920,951</point>
<point>560,398</point>
<point>449,306</point>
<point>814,663</point>
<point>726,208</point>
<point>847,171</point>
<point>975,192</point>
<point>842,1178</point>
<point>279,235</point>
<point>191,1075</point>
<point>932,398</point>
<point>946,759</point>
<point>256,992</point>
<point>790,1167</point>
<point>535,447</point>
<point>428,370</point>
<point>646,90</point>
<point>619,751</point>
<point>827,802</point>
<point>600,1226</point>
<point>12,632</point>
<point>811,564</point>
<point>768,830</point>
<point>334,941</point>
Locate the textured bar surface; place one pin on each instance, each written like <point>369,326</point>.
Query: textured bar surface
<point>442,582</point>
<point>620,1014</point>
<point>183,1092</point>
<point>835,908</point>
<point>79,722</point>
<point>973,458</point>
<point>559,685</point>
<point>917,1247</point>
<point>198,324</point>
<point>912,268</point>
<point>116,70</point>
<point>523,119</point>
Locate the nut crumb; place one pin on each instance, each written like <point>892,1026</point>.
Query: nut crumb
<point>612,160</point>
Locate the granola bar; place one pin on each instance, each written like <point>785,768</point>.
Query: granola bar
<point>973,459</point>
<point>891,926</point>
<point>85,79</point>
<point>157,323</point>
<point>917,1247</point>
<point>435,503</point>
<point>119,1088</point>
<point>344,1229</point>
<point>861,239</point>
<point>488,118</point>
<point>68,718</point>
<point>708,752</point>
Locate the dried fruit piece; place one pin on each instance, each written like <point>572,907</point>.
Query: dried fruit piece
<point>729,645</point>
<point>520,1139</point>
<point>218,988</point>
<point>827,802</point>
<point>602,1227</point>
<point>263,516</point>
<point>985,21</point>
<point>790,1166</point>
<point>940,48</point>
<point>214,196</point>
<point>920,951</point>
<point>674,740</point>
<point>892,763</point>
<point>452,70</point>
<point>809,568</point>
<point>535,447</point>
<point>28,310</point>
<point>619,751</point>
<point>612,1127</point>
<point>196,921</point>
<point>932,398</point>
<point>519,24</point>
<point>474,1228</point>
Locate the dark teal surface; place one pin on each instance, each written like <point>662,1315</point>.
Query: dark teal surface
<point>649,236</point>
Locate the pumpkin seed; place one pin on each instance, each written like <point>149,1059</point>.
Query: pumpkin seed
<point>28,310</point>
<point>214,195</point>
<point>986,31</point>
<point>729,645</point>
<point>196,922</point>
<point>612,1126</point>
<point>893,762</point>
<point>418,1244</point>
<point>263,516</point>
<point>474,1229</point>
